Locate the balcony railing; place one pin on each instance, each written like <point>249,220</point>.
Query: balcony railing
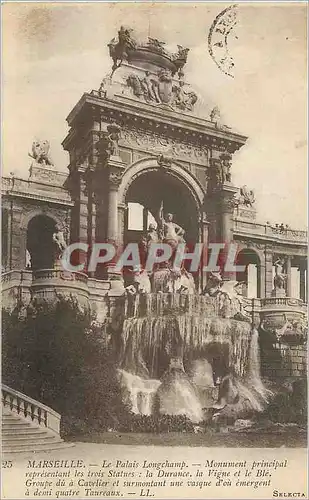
<point>30,409</point>
<point>270,231</point>
<point>281,301</point>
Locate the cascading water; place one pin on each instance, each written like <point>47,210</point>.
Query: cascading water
<point>174,347</point>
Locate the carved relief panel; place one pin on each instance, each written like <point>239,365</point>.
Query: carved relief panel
<point>152,142</point>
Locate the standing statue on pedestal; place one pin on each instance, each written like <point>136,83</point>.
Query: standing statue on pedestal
<point>59,243</point>
<point>28,260</point>
<point>280,276</point>
<point>171,232</point>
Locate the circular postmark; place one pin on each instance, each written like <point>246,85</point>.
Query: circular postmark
<point>219,33</point>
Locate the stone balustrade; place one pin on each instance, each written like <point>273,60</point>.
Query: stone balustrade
<point>30,409</point>
<point>268,230</point>
<point>271,302</point>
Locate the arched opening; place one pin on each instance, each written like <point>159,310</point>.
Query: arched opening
<point>40,242</point>
<point>145,196</point>
<point>252,274</point>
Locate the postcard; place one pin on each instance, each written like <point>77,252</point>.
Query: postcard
<point>154,250</point>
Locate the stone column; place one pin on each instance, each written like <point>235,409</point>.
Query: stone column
<point>228,192</point>
<point>204,241</point>
<point>302,281</point>
<point>288,267</point>
<point>145,219</point>
<point>122,209</point>
<point>223,194</point>
<point>261,278</point>
<point>112,216</point>
<point>82,205</point>
<point>18,238</point>
<point>115,170</point>
<point>268,272</point>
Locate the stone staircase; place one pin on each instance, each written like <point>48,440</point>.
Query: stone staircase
<point>27,425</point>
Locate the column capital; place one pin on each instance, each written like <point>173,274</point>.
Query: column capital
<point>115,168</point>
<point>114,180</point>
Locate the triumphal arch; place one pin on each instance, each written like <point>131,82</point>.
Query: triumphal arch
<point>142,138</point>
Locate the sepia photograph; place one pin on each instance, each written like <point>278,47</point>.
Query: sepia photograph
<point>154,250</point>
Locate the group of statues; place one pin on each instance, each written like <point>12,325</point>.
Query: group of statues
<point>166,231</point>
<point>120,49</point>
<point>165,278</point>
<point>160,88</point>
<point>229,294</point>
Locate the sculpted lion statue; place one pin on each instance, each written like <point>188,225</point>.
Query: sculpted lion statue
<point>40,152</point>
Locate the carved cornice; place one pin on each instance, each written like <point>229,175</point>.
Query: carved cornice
<point>128,112</point>
<point>271,245</point>
<point>40,197</point>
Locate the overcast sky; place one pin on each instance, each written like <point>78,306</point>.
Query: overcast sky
<point>53,53</point>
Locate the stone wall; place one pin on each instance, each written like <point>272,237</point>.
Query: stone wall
<point>279,361</point>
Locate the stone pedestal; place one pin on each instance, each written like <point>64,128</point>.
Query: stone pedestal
<point>204,239</point>
<point>278,292</point>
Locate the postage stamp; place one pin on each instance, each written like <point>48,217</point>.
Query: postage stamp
<point>221,30</point>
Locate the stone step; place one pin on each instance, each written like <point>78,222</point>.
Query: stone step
<point>16,426</point>
<point>25,432</point>
<point>26,448</point>
<point>29,439</point>
<point>8,418</point>
<point>24,436</point>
